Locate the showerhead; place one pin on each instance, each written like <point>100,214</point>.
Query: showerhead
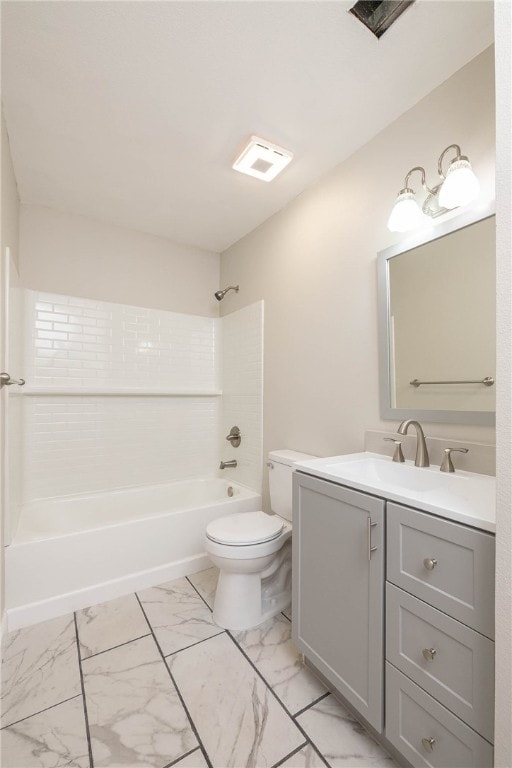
<point>219,295</point>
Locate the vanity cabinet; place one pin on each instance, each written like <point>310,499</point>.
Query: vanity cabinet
<point>439,647</point>
<point>429,688</point>
<point>338,589</point>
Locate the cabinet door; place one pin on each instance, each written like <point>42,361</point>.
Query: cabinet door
<point>338,588</point>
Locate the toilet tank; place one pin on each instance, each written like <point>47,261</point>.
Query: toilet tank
<point>280,469</point>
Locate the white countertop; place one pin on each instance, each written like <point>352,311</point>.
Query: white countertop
<point>464,497</point>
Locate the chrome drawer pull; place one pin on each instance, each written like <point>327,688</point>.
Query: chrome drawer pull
<point>430,563</point>
<point>428,744</point>
<point>429,653</point>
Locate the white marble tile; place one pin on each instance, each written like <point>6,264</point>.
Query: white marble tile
<point>307,757</point>
<point>135,716</point>
<point>195,760</point>
<point>109,624</point>
<point>40,668</point>
<point>342,740</point>
<point>178,615</point>
<point>206,584</point>
<point>238,719</point>
<point>50,739</point>
<point>288,612</point>
<point>271,650</point>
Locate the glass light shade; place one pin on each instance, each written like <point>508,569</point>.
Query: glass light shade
<point>406,213</point>
<point>460,186</point>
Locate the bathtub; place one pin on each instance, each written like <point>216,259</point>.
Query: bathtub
<point>72,552</point>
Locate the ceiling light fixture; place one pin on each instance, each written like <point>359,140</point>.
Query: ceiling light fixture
<point>459,186</point>
<point>262,159</point>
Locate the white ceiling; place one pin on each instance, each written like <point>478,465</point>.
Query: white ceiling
<point>132,112</point>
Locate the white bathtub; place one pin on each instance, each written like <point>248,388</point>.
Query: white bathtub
<point>72,552</point>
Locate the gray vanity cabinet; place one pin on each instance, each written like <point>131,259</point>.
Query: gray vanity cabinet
<point>439,647</point>
<point>338,589</point>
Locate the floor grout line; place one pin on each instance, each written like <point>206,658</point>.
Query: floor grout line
<point>274,694</point>
<point>182,757</point>
<point>40,711</point>
<point>192,645</point>
<point>286,617</point>
<point>127,642</point>
<point>87,730</point>
<point>198,592</point>
<point>308,706</point>
<point>182,700</point>
<point>290,755</point>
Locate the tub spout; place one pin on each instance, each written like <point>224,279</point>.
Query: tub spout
<point>227,464</point>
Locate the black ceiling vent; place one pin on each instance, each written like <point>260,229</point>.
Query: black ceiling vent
<point>379,15</point>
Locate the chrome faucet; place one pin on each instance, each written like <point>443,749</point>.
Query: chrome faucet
<point>421,459</point>
<point>227,464</point>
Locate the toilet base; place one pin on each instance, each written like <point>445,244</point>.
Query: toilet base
<point>239,604</point>
<point>245,600</point>
<point>237,600</point>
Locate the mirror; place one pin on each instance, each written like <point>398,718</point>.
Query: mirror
<point>437,315</point>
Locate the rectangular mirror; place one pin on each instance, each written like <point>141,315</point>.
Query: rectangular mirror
<point>437,315</point>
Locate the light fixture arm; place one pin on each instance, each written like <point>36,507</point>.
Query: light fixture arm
<point>458,187</point>
<point>459,156</point>
<point>423,179</point>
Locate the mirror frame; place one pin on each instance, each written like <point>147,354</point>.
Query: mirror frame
<point>387,412</point>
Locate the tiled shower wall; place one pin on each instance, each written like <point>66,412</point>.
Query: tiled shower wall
<point>72,342</point>
<point>85,444</point>
<point>242,386</point>
<point>119,396</point>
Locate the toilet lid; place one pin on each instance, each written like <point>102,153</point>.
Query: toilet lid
<point>245,528</point>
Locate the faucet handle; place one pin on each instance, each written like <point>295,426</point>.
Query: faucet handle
<point>398,455</point>
<point>447,464</point>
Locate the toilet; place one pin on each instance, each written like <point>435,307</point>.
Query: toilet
<point>252,551</point>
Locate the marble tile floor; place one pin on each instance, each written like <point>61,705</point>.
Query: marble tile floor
<point>149,681</point>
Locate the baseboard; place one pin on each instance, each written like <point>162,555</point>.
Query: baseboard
<point>32,613</point>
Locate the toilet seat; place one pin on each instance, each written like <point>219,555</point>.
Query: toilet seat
<point>245,529</point>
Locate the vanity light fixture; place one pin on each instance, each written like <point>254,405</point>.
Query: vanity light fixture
<point>262,159</point>
<point>459,186</point>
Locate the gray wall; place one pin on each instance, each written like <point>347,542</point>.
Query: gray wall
<point>314,264</point>
<point>79,256</point>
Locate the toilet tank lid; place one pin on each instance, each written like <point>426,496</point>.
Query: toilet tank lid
<point>289,458</point>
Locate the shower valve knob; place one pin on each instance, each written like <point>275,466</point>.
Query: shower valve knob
<point>234,437</point>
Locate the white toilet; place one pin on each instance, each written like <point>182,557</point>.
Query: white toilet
<point>253,553</point>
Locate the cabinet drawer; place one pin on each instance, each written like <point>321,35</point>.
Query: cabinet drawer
<point>426,733</point>
<point>459,666</point>
<point>446,564</point>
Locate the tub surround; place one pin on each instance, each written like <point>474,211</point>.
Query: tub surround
<point>119,399</point>
<point>182,378</point>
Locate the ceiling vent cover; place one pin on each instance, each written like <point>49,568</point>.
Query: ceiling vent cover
<point>262,159</point>
<point>379,15</point>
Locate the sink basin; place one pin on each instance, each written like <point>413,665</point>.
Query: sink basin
<point>465,497</point>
